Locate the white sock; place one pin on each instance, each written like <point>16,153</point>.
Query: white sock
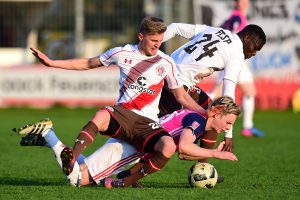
<point>248,110</point>
<point>57,146</point>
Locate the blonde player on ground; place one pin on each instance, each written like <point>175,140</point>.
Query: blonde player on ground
<point>210,49</point>
<point>186,128</point>
<point>235,23</point>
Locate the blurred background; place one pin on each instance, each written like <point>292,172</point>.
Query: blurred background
<point>85,28</point>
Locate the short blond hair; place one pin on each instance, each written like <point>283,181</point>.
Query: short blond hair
<point>152,25</point>
<point>230,106</point>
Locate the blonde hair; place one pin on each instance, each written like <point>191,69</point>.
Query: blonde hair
<point>152,25</point>
<point>230,106</point>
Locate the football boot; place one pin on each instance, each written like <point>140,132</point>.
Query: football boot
<point>33,140</point>
<point>37,128</point>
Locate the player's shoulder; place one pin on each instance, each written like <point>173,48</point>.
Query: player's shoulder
<point>125,48</point>
<point>166,58</point>
<point>194,114</point>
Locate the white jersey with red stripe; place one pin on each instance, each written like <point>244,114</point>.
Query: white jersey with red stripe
<point>141,78</point>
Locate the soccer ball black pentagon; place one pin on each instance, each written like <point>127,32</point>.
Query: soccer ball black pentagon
<point>203,175</point>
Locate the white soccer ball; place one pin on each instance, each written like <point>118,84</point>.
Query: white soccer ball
<point>203,175</point>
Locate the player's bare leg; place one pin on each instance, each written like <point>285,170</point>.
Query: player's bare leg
<point>98,123</point>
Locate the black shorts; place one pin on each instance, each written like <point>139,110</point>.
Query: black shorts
<point>169,104</point>
<point>137,130</point>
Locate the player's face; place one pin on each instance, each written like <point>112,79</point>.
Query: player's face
<point>251,46</point>
<point>221,123</point>
<point>149,44</point>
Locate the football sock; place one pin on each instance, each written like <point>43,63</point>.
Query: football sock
<point>248,110</point>
<point>50,138</point>
<point>208,141</point>
<point>155,163</point>
<point>57,146</point>
<point>85,137</point>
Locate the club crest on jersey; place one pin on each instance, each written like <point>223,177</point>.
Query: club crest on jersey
<point>195,125</point>
<point>160,70</point>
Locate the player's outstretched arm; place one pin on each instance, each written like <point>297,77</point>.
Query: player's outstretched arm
<point>71,64</point>
<point>184,30</point>
<point>187,150</point>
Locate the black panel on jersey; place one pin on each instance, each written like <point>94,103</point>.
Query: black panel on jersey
<point>194,121</point>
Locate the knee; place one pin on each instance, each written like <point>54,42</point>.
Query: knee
<point>101,119</point>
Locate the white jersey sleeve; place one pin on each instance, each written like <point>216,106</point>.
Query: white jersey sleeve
<point>110,56</point>
<point>172,78</point>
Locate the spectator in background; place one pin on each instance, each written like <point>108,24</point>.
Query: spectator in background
<point>235,23</point>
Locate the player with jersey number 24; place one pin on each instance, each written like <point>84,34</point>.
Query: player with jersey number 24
<point>210,49</point>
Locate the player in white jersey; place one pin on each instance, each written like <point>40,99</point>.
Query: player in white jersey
<point>143,69</point>
<point>236,22</point>
<point>186,128</point>
<point>210,49</point>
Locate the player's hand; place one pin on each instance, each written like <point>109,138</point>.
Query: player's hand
<point>221,146</point>
<point>228,146</point>
<point>225,155</point>
<point>41,56</point>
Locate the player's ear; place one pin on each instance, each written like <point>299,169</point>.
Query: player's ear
<point>140,36</point>
<point>218,109</point>
<point>247,39</point>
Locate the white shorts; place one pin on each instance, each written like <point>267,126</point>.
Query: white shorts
<point>111,158</point>
<point>245,76</point>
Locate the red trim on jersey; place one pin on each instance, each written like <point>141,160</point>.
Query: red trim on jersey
<point>144,98</point>
<point>115,54</point>
<point>172,70</point>
<point>117,165</point>
<point>123,162</point>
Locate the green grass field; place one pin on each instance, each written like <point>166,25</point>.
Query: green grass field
<point>268,168</point>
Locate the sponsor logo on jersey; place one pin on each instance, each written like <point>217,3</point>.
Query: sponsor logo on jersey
<point>160,70</point>
<point>141,81</point>
<point>141,86</point>
<point>128,61</point>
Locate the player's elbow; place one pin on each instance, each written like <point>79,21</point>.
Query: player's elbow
<point>181,148</point>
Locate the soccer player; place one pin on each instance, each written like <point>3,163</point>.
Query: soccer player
<point>210,49</point>
<point>143,69</point>
<point>235,23</point>
<point>186,128</point>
